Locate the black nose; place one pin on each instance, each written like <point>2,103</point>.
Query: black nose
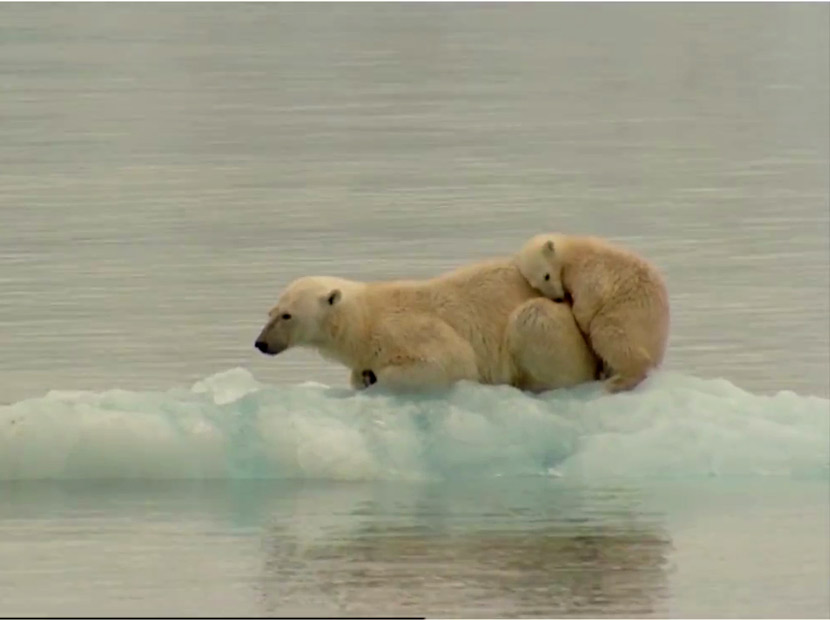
<point>262,346</point>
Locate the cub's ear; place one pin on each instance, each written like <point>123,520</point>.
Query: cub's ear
<point>332,297</point>
<point>548,247</point>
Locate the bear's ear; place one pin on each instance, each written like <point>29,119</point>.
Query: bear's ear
<point>548,247</point>
<point>332,297</point>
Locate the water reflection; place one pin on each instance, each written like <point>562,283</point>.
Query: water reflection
<point>518,547</point>
<point>541,551</point>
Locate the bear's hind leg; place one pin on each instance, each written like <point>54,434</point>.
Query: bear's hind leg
<point>547,348</point>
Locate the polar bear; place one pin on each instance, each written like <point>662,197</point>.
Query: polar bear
<point>620,300</point>
<point>482,323</point>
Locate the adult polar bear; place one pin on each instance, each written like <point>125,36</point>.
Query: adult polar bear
<point>482,322</point>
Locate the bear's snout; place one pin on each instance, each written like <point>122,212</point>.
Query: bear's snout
<point>271,348</point>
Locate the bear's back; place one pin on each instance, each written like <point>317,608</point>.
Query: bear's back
<point>475,300</point>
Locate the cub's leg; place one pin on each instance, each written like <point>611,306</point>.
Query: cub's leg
<point>628,364</point>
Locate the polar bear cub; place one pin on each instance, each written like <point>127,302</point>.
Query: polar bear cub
<point>620,301</point>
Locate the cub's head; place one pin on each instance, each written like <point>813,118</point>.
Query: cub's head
<point>300,315</point>
<point>539,263</point>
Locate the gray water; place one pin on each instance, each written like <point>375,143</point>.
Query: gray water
<point>491,550</point>
<point>166,169</point>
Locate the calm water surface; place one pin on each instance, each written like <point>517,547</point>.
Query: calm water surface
<point>166,169</point>
<point>526,548</point>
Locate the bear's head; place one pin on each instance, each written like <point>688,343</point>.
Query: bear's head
<point>539,263</point>
<point>301,314</point>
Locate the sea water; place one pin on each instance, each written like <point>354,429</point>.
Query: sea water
<point>166,169</point>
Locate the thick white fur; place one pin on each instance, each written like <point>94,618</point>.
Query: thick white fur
<point>482,322</point>
<point>620,300</point>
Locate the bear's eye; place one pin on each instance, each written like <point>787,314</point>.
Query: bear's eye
<point>547,277</point>
<point>285,316</point>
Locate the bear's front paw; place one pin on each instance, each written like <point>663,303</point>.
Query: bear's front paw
<point>369,378</point>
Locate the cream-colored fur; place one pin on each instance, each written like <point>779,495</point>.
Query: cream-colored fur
<point>547,347</point>
<point>620,300</point>
<point>473,323</point>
